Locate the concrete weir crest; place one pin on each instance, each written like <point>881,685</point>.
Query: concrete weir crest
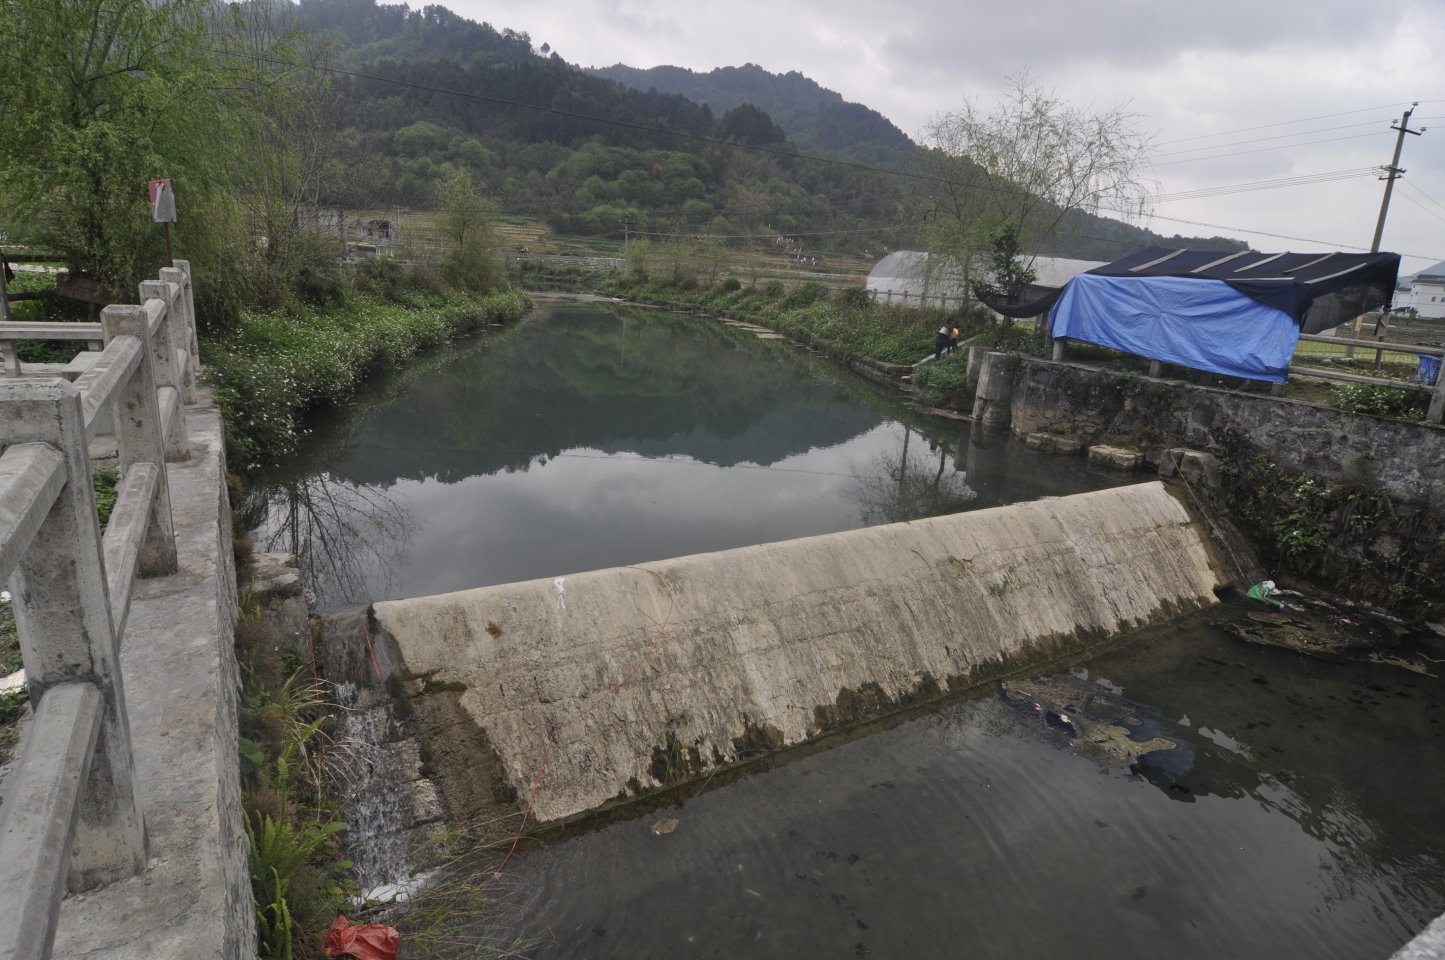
<point>767,646</point>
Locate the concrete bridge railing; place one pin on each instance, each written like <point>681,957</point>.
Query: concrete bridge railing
<point>73,817</point>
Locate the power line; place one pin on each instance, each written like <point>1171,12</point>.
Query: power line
<point>1424,207</point>
<point>1410,186</point>
<point>1282,146</point>
<point>1286,123</point>
<point>1266,184</point>
<point>1282,236</point>
<point>1282,136</point>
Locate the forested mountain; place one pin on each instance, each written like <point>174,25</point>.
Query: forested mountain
<point>814,117</point>
<point>585,176</point>
<point>364,31</point>
<point>606,153</point>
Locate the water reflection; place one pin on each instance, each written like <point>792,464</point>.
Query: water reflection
<point>350,538</point>
<point>587,438</point>
<point>901,485</point>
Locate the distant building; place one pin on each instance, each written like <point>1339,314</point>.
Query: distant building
<point>1427,292</point>
<point>910,276</point>
<point>379,235</point>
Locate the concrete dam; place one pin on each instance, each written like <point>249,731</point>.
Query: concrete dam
<point>649,675</point>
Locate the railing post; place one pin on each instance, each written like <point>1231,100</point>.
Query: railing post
<point>62,614</point>
<point>11,358</point>
<point>183,324</point>
<point>1059,343</point>
<point>1437,399</point>
<point>138,433</point>
<point>163,349</point>
<point>165,363</point>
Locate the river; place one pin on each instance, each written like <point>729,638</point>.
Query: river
<point>1289,817</point>
<point>586,438</point>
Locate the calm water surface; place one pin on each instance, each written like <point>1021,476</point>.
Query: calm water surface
<point>586,438</point>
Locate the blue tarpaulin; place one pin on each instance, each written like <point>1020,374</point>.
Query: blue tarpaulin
<point>1200,323</point>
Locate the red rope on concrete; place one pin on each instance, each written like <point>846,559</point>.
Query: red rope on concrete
<point>552,736</point>
<point>366,630</point>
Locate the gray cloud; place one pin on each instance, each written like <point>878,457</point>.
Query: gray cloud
<point>1190,69</point>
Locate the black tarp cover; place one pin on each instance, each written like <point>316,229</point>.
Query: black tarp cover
<point>1289,282</point>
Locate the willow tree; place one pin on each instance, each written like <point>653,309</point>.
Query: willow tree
<point>96,98</point>
<point>470,260</point>
<point>1023,167</point>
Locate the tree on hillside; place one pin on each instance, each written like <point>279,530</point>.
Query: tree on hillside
<point>99,96</point>
<point>1030,162</point>
<point>470,261</point>
<point>286,170</point>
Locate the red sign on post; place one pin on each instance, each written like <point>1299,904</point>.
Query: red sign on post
<point>163,202</point>
<point>163,211</point>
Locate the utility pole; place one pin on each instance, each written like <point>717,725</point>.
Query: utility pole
<point>626,229</point>
<point>1393,171</point>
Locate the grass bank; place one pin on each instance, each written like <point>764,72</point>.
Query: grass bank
<point>269,367</point>
<point>847,324</point>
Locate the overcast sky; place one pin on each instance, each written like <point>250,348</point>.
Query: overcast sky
<point>1190,69</point>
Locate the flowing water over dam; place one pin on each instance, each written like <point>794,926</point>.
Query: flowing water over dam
<point>1182,793</point>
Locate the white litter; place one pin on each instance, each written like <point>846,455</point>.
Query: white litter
<point>397,892</point>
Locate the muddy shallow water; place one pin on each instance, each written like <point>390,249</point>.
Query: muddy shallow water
<point>1293,818</point>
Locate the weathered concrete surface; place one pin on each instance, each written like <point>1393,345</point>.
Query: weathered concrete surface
<point>1428,945</point>
<point>1094,405</point>
<point>1116,458</point>
<point>993,395</point>
<point>182,683</point>
<point>766,646</point>
<point>275,584</point>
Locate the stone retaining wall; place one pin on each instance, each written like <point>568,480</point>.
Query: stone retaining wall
<point>1095,406</point>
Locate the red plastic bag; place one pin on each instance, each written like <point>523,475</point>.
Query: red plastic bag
<point>365,941</point>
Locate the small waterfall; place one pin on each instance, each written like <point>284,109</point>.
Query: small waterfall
<point>377,775</point>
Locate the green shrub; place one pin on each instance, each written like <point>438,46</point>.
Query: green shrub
<point>859,327</point>
<point>270,367</point>
<point>103,480</point>
<point>946,380</point>
<point>805,294</point>
<point>731,285</point>
<point>1382,401</point>
<point>856,297</point>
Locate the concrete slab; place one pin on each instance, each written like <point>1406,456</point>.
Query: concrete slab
<point>1429,945</point>
<point>770,645</point>
<point>1116,458</point>
<point>182,684</point>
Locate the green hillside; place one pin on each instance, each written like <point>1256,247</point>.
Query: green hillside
<point>583,176</point>
<point>621,155</point>
<point>814,117</point>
